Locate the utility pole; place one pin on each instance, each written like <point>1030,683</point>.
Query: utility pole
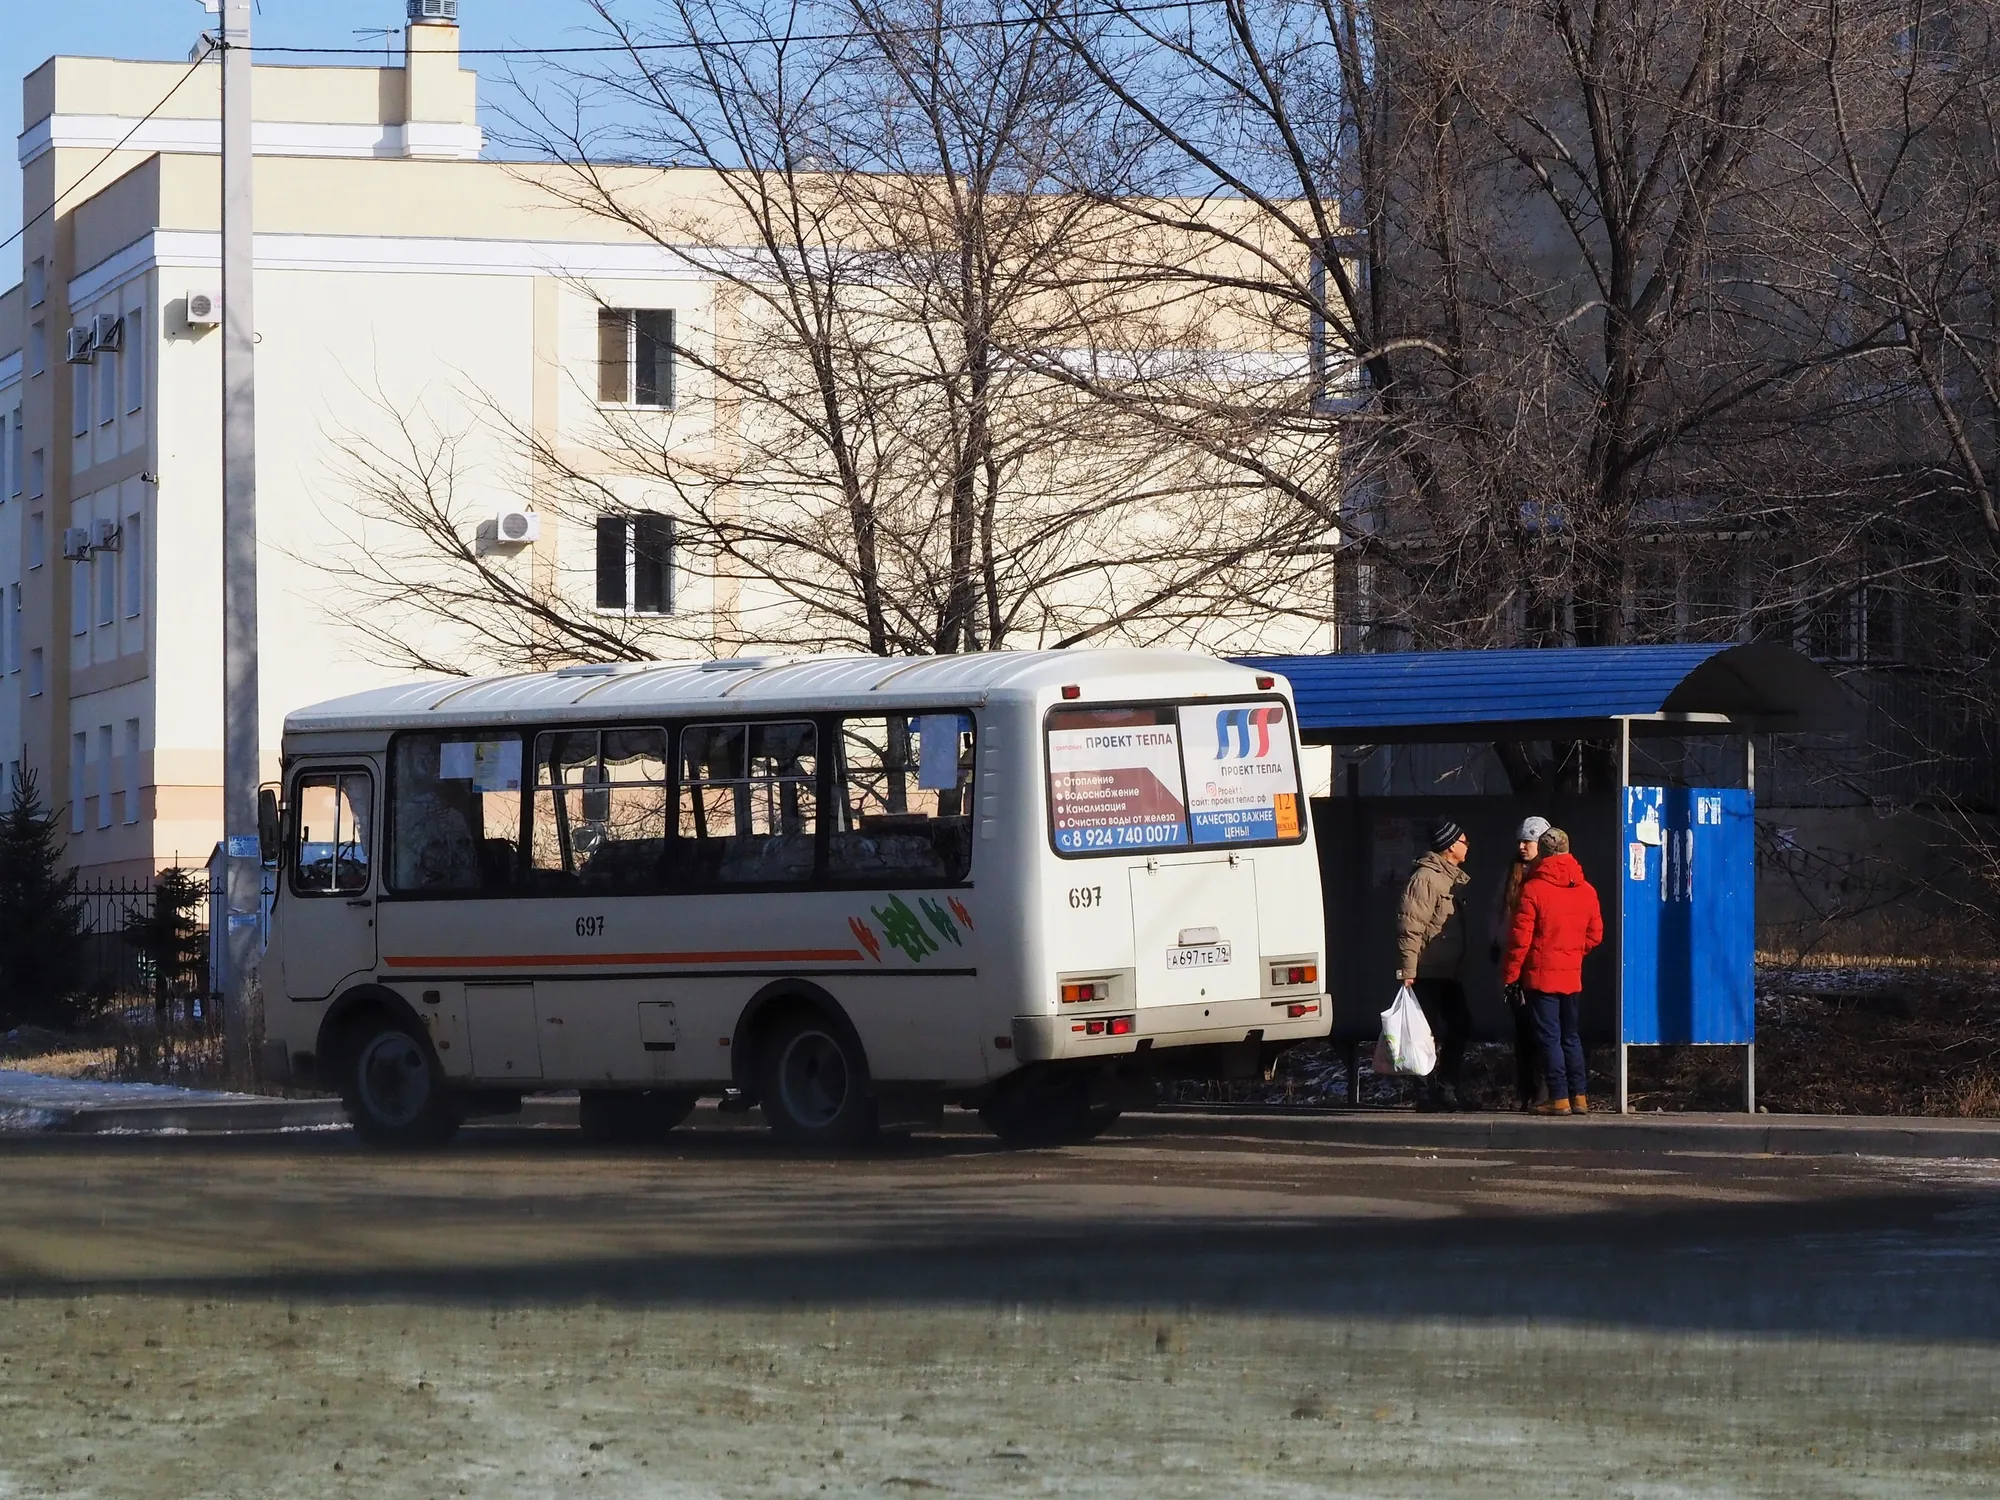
<point>241,768</point>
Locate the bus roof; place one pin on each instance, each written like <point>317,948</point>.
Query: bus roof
<point>763,684</point>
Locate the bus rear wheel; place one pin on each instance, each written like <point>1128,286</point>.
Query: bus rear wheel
<point>392,1088</point>
<point>813,1083</point>
<point>610,1116</point>
<point>1047,1109</point>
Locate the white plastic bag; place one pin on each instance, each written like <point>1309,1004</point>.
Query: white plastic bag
<point>1406,1044</point>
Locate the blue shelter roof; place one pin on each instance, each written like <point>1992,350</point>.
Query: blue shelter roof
<point>1445,695</point>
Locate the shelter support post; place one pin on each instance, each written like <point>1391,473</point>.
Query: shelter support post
<point>1618,911</point>
<point>1750,1051</point>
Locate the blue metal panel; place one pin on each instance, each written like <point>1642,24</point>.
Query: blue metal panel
<point>1688,937</point>
<point>1392,689</point>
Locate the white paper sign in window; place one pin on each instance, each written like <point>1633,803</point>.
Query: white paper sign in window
<point>1242,778</point>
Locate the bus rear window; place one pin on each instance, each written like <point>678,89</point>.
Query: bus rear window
<point>1143,777</point>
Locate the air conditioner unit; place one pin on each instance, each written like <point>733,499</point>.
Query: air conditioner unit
<point>516,528</point>
<point>105,535</point>
<point>434,10</point>
<point>79,346</point>
<point>107,331</point>
<point>76,543</point>
<point>204,309</point>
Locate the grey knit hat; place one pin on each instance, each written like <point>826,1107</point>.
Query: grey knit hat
<point>1532,829</point>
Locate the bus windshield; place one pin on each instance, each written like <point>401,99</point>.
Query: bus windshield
<point>1166,776</point>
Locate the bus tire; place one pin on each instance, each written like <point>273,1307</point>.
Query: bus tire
<point>1047,1109</point>
<point>813,1082</point>
<point>392,1087</point>
<point>612,1116</point>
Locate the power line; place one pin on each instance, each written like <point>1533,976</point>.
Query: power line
<point>57,202</point>
<point>770,39</point>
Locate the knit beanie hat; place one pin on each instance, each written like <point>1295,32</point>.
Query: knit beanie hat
<point>1555,841</point>
<point>1532,829</point>
<point>1444,834</point>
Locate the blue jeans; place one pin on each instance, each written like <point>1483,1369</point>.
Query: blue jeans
<point>1561,1043</point>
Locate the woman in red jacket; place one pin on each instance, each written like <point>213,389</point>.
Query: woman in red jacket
<point>1556,924</point>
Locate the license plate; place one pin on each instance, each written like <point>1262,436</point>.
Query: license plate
<point>1208,956</point>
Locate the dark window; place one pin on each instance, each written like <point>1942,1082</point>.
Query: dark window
<point>635,563</point>
<point>601,800</point>
<point>614,382</point>
<point>903,795</point>
<point>653,357</point>
<point>748,805</point>
<point>612,534</point>
<point>635,356</point>
<point>454,812</point>
<point>332,826</point>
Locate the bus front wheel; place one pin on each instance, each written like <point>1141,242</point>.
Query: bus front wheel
<point>1047,1109</point>
<point>393,1089</point>
<point>813,1083</point>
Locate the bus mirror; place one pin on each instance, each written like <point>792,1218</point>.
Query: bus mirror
<point>267,824</point>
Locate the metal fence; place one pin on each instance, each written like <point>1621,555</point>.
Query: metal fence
<point>136,948</point>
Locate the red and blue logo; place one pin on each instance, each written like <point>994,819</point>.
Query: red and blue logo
<point>1238,724</point>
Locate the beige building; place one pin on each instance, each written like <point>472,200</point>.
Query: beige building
<point>400,279</point>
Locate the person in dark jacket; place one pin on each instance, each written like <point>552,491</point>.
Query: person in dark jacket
<point>1559,921</point>
<point>1530,1087</point>
<point>1430,946</point>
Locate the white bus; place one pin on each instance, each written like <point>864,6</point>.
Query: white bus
<point>848,891</point>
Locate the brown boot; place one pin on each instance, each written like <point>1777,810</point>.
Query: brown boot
<point>1553,1107</point>
<point>1579,1104</point>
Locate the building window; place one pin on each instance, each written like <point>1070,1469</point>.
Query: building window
<point>104,773</point>
<point>37,674</point>
<point>38,281</point>
<point>107,385</point>
<point>635,356</point>
<point>16,459</point>
<point>134,548</point>
<point>38,539</point>
<point>635,564</point>
<point>135,359</point>
<point>14,657</point>
<point>79,765</point>
<point>131,770</point>
<point>79,390</point>
<point>38,470</point>
<point>79,596</point>
<point>38,348</point>
<point>105,566</point>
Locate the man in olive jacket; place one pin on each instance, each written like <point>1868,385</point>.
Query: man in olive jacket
<point>1430,944</point>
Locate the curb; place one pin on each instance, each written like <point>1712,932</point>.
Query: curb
<point>1714,1135</point>
<point>1767,1135</point>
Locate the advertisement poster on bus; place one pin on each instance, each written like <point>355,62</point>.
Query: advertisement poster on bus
<point>1242,779</point>
<point>1116,785</point>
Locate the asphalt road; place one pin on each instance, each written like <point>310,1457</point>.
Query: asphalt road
<point>1159,1317</point>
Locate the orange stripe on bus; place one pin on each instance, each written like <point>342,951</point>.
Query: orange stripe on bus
<point>548,960</point>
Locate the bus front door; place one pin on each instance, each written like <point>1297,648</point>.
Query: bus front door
<point>326,927</point>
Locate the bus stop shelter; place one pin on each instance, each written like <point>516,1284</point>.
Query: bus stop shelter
<point>1644,754</point>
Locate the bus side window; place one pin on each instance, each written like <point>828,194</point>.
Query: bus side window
<point>600,815</point>
<point>904,785</point>
<point>748,805</point>
<point>454,812</point>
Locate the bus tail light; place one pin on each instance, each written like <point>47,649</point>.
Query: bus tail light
<point>1120,1025</point>
<point>1309,1008</point>
<point>1085,991</point>
<point>1294,974</point>
<point>1109,1026</point>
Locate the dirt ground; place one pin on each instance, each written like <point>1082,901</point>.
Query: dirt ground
<point>522,1316</point>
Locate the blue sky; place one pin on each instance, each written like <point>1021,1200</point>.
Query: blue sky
<point>31,31</point>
